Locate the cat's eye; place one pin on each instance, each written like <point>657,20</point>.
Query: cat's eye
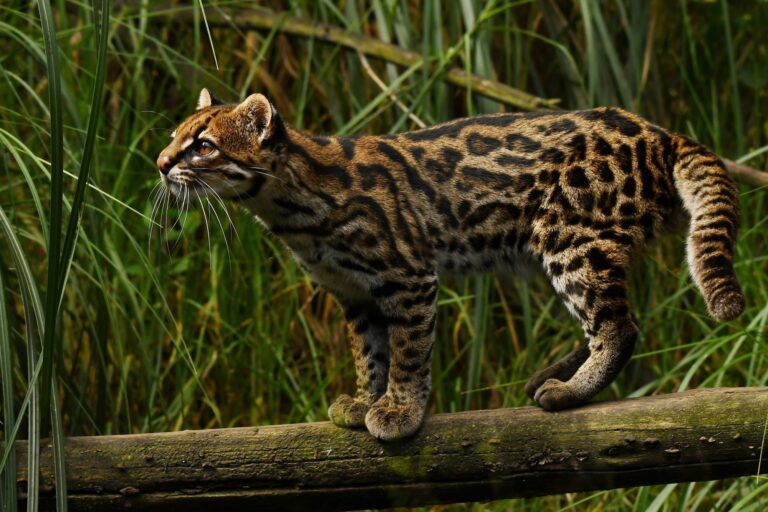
<point>204,148</point>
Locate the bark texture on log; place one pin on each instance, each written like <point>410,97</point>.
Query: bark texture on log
<point>480,455</point>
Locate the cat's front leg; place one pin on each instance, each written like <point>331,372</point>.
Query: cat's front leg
<point>370,348</point>
<point>410,313</point>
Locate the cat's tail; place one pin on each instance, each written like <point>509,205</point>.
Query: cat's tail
<point>712,199</point>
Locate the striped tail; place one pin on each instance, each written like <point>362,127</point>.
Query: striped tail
<point>712,199</point>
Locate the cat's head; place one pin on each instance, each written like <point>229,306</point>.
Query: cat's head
<point>228,149</point>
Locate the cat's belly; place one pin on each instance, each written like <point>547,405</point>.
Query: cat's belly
<point>326,268</point>
<point>342,275</point>
<point>471,262</point>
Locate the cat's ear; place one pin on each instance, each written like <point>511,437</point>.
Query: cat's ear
<point>206,99</point>
<point>258,116</point>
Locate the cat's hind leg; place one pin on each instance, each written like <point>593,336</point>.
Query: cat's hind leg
<point>592,283</point>
<point>370,348</point>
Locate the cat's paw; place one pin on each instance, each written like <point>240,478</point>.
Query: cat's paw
<point>554,395</point>
<point>348,412</point>
<point>388,421</point>
<point>535,382</point>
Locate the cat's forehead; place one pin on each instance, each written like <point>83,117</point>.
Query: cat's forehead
<point>191,127</point>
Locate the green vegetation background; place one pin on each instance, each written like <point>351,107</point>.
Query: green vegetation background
<point>206,325</point>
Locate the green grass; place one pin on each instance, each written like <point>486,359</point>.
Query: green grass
<point>200,328</point>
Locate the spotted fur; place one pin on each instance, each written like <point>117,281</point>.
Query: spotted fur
<point>376,219</point>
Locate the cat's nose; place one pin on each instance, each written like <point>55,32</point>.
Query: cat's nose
<point>164,164</point>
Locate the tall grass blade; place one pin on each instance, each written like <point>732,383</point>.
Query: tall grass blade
<point>57,434</point>
<point>68,250</point>
<point>57,193</point>
<point>737,115</point>
<point>34,319</point>
<point>8,502</point>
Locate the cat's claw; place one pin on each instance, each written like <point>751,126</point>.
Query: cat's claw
<point>348,412</point>
<point>554,395</point>
<point>389,421</point>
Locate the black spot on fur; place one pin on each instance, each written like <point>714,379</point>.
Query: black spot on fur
<point>602,147</point>
<point>646,221</point>
<point>417,152</point>
<point>618,121</point>
<point>552,156</point>
<point>321,141</point>
<point>579,146</point>
<point>607,201</point>
<point>498,180</point>
<point>577,177</point>
<point>575,264</point>
<point>555,269</point>
<point>628,189</point>
<point>332,170</point>
<point>348,147</point>
<point>445,209</point>
<point>646,178</point>
<point>444,167</point>
<point>606,174</point>
<point>561,125</point>
<point>518,142</point>
<point>463,209</point>
<point>483,212</point>
<point>524,182</point>
<point>414,179</point>
<point>625,159</point>
<point>614,291</point>
<point>628,209</point>
<point>477,241</point>
<point>481,145</point>
<point>514,161</point>
<point>604,314</point>
<point>598,259</point>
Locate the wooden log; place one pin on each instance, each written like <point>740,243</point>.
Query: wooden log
<point>480,455</point>
<point>746,174</point>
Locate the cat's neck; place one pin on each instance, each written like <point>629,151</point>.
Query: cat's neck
<point>309,177</point>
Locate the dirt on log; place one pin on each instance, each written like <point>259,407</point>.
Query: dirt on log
<point>480,455</point>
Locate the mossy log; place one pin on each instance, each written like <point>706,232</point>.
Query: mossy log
<point>480,455</point>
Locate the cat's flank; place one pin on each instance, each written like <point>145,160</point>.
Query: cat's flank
<point>375,220</point>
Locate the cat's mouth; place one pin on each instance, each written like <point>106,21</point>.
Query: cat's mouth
<point>204,182</point>
<point>181,182</point>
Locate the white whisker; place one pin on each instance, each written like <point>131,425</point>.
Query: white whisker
<point>185,213</point>
<point>159,192</point>
<point>221,226</point>
<point>179,205</point>
<point>166,206</point>
<point>223,207</point>
<point>207,229</point>
<point>259,170</point>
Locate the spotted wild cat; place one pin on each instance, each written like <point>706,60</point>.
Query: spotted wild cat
<point>375,219</point>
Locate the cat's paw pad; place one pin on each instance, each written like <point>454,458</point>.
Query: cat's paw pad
<point>554,395</point>
<point>388,421</point>
<point>348,412</point>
